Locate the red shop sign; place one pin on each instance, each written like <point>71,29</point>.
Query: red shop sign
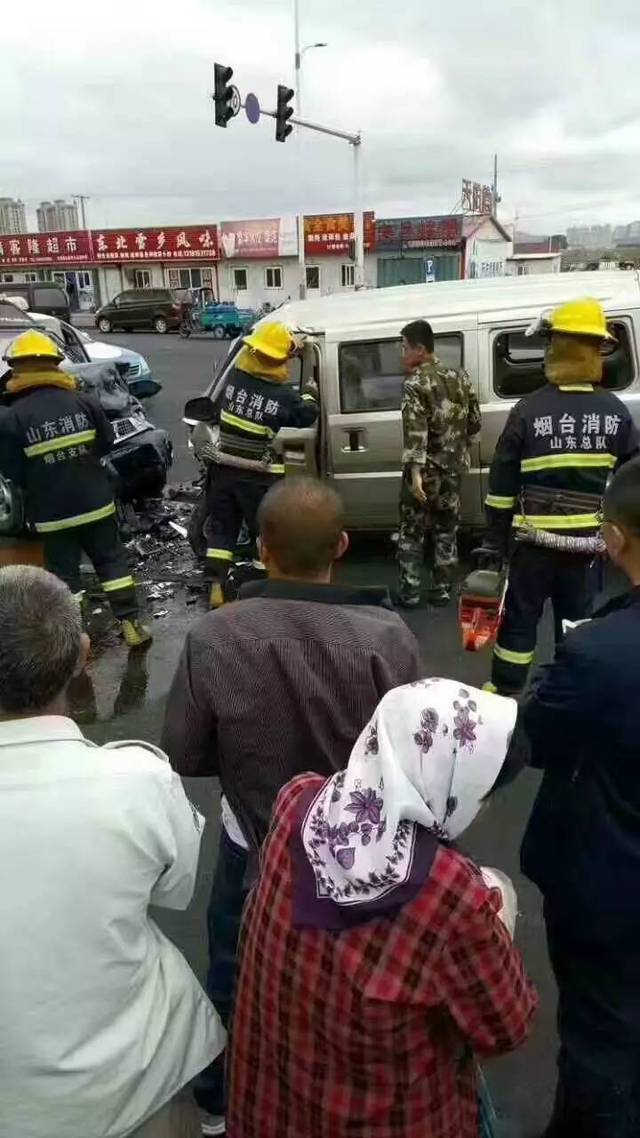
<point>171,243</point>
<point>72,247</point>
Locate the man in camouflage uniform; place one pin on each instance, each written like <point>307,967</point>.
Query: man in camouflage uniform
<point>440,415</point>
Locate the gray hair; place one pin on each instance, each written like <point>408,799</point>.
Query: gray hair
<point>40,631</point>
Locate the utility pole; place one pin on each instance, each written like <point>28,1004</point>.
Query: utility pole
<point>354,140</point>
<point>82,198</point>
<point>298,88</point>
<point>496,196</point>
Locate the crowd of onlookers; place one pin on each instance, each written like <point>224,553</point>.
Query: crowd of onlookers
<point>362,965</point>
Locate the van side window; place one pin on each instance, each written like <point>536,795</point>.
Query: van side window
<point>518,362</point>
<point>372,372</point>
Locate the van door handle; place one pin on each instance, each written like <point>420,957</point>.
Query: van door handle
<point>355,435</point>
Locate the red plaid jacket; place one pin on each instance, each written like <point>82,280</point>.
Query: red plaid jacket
<point>370,1031</point>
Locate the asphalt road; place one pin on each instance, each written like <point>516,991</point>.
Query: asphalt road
<point>130,703</point>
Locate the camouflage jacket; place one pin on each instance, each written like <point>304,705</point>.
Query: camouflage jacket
<point>440,416</point>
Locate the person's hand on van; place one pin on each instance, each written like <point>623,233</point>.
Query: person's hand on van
<point>417,488</point>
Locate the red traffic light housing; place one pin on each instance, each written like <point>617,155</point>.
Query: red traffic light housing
<point>223,94</point>
<point>283,113</point>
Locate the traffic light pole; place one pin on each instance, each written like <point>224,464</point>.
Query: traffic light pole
<point>354,140</point>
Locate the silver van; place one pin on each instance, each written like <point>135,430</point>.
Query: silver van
<point>353,352</point>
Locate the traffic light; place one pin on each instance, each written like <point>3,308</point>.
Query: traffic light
<point>223,94</point>
<point>284,113</point>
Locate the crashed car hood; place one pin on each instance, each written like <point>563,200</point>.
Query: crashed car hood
<point>104,382</point>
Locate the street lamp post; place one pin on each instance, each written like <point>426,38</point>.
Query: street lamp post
<point>299,53</point>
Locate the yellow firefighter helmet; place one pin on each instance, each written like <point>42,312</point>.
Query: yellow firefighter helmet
<point>580,318</point>
<point>32,345</point>
<point>273,341</point>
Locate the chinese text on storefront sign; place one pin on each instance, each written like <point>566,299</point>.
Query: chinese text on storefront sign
<point>66,248</point>
<point>196,242</point>
<point>326,233</point>
<point>419,233</point>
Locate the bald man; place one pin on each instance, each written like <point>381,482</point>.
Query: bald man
<point>279,683</point>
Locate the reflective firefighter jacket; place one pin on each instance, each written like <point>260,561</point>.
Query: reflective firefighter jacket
<point>51,440</point>
<point>251,412</point>
<point>553,458</point>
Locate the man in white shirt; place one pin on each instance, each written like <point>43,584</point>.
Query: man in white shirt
<point>103,1021</point>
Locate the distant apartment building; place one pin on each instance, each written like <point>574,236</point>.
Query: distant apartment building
<point>589,236</point>
<point>13,217</point>
<point>56,216</point>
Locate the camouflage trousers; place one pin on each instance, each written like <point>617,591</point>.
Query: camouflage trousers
<point>441,516</point>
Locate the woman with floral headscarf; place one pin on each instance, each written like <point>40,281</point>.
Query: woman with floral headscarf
<point>374,965</point>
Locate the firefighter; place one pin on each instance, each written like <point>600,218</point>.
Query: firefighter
<point>256,402</point>
<point>51,439</point>
<point>548,475</point>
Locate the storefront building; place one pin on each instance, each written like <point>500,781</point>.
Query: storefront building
<point>66,257</point>
<point>165,257</point>
<point>415,250</point>
<point>487,248</point>
<point>260,265</point>
<point>255,262</point>
<point>329,250</point>
<point>258,261</point>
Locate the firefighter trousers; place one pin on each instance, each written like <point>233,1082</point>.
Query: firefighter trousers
<point>100,541</point>
<point>232,496</point>
<point>536,575</point>
<point>442,515</point>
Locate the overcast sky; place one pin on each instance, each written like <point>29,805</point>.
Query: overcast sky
<point>113,100</point>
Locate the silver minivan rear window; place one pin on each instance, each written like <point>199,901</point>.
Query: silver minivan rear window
<point>372,372</point>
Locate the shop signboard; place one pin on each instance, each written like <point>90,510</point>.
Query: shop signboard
<point>167,243</point>
<point>70,247</point>
<point>327,234</point>
<point>259,238</point>
<point>397,235</point>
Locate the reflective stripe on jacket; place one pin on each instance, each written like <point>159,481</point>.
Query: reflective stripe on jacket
<point>554,456</point>
<point>251,412</point>
<point>51,442</point>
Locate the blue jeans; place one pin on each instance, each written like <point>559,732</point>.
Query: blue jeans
<point>228,895</point>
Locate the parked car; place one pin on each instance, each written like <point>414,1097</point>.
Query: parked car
<point>139,308</point>
<point>132,366</point>
<point>43,296</point>
<point>353,351</point>
<point>142,454</point>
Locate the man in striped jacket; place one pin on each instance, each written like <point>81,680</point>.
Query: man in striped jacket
<point>52,437</point>
<point>548,475</point>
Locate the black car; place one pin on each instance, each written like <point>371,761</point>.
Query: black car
<point>139,308</point>
<point>41,296</point>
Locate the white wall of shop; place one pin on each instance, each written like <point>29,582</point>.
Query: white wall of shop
<point>252,283</point>
<point>533,264</point>
<point>486,249</point>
